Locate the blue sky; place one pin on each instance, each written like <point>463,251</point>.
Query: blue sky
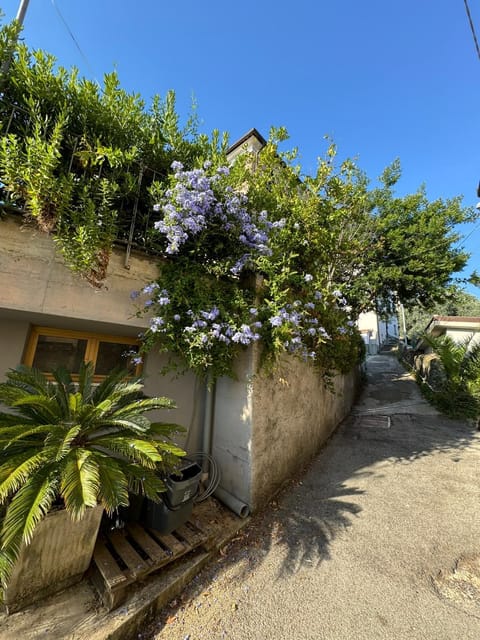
<point>384,79</point>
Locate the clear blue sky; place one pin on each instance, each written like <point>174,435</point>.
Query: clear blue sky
<point>384,79</point>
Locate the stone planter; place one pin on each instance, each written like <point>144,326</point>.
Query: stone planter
<point>57,557</point>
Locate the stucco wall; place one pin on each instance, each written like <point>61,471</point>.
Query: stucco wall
<point>462,335</point>
<point>232,429</point>
<point>34,279</point>
<point>294,414</point>
<point>266,427</point>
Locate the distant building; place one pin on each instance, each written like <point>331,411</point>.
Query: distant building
<point>377,330</point>
<point>458,328</point>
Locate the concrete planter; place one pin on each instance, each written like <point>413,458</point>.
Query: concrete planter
<point>57,557</point>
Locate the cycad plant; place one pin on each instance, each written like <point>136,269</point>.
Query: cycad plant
<point>75,444</point>
<point>459,394</point>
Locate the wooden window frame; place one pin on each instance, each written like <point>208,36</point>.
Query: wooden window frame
<point>91,352</point>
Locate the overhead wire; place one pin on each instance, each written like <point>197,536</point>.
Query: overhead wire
<point>472,27</point>
<point>70,32</point>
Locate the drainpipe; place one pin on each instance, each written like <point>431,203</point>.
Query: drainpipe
<point>208,421</point>
<point>232,502</point>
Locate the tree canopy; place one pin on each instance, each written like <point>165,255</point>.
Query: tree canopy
<point>88,163</point>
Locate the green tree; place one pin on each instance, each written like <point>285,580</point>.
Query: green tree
<point>459,394</point>
<point>376,247</point>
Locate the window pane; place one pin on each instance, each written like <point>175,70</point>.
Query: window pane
<point>53,352</point>
<point>112,355</point>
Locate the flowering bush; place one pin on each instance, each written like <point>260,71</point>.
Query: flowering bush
<point>206,305</point>
<point>205,216</point>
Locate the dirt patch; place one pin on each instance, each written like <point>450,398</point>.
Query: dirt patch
<point>461,584</point>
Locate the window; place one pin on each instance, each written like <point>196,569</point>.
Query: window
<point>49,348</point>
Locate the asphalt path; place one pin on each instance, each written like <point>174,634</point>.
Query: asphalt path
<point>378,538</point>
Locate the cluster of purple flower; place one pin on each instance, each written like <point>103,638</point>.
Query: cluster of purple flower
<point>302,327</point>
<point>197,200</point>
<point>205,327</point>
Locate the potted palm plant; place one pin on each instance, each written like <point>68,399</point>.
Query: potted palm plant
<point>68,450</point>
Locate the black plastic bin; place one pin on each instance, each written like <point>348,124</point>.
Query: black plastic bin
<point>182,484</point>
<point>160,517</point>
<point>176,505</point>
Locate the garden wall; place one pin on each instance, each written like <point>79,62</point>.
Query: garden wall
<point>267,427</point>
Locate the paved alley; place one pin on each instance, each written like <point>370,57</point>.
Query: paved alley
<point>380,538</point>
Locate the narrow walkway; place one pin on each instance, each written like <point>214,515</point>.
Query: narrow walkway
<point>363,546</point>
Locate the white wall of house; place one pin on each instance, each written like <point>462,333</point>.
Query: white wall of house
<point>375,330</point>
<point>461,335</point>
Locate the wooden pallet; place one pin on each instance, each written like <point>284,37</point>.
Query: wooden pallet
<point>125,556</point>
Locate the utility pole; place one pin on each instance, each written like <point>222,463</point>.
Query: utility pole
<point>22,10</point>
<point>402,311</point>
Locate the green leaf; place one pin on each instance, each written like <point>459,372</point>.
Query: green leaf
<point>80,484</point>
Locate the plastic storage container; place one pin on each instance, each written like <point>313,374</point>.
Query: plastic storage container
<point>182,485</point>
<point>158,516</point>
<point>177,501</point>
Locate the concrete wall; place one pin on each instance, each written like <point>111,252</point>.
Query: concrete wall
<point>264,427</point>
<point>35,280</point>
<point>294,415</point>
<point>38,289</point>
<point>233,424</point>
<point>461,335</point>
<point>267,427</point>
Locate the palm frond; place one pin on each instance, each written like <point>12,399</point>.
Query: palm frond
<point>28,506</point>
<point>64,388</point>
<point>145,404</point>
<point>170,448</point>
<point>134,449</point>
<point>46,409</point>
<point>166,429</point>
<point>28,379</point>
<point>12,419</point>
<point>145,481</point>
<point>108,386</point>
<point>113,483</point>
<point>80,483</point>
<point>15,477</point>
<point>65,445</point>
<point>136,423</point>
<point>85,381</point>
<point>23,431</point>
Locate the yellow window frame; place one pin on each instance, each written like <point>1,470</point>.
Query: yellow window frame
<point>91,352</point>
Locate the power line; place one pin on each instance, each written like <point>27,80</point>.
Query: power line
<point>469,15</point>
<point>85,59</point>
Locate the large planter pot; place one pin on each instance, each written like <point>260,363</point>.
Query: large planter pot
<point>57,557</point>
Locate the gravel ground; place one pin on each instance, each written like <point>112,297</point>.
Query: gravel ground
<point>377,538</point>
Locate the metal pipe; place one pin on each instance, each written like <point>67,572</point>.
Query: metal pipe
<point>22,10</point>
<point>235,504</point>
<point>208,420</point>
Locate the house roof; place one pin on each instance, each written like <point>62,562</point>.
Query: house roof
<point>439,324</point>
<point>454,322</point>
<point>253,133</point>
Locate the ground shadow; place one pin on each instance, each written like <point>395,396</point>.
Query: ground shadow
<point>324,500</point>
